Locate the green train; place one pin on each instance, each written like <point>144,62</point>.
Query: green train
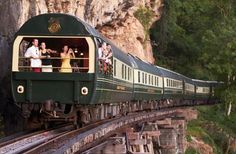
<point>85,80</point>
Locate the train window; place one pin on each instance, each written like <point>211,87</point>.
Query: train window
<point>142,77</point>
<point>145,78</point>
<point>128,73</point>
<point>80,57</point>
<point>122,71</point>
<point>149,79</point>
<point>138,77</point>
<point>131,74</point>
<point>155,81</point>
<point>152,79</point>
<point>125,72</point>
<point>114,67</point>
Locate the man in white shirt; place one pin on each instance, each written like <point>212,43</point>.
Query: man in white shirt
<point>34,54</point>
<point>101,51</point>
<point>101,57</point>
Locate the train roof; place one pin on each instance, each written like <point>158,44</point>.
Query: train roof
<point>56,24</point>
<point>169,73</point>
<point>144,66</point>
<point>120,55</point>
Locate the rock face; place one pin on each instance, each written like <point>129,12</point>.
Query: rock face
<point>200,146</point>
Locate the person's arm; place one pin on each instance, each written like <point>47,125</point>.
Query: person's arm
<point>72,54</point>
<point>51,51</point>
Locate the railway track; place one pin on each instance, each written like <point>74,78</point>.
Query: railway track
<point>77,141</point>
<point>28,141</point>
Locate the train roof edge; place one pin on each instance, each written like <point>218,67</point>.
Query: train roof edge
<point>56,24</point>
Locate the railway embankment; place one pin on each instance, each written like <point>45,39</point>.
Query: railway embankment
<point>212,131</point>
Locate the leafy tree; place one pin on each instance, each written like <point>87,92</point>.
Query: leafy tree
<point>198,38</point>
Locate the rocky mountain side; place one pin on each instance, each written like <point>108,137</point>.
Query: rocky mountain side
<point>114,18</point>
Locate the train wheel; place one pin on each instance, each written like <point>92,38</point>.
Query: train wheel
<point>46,125</point>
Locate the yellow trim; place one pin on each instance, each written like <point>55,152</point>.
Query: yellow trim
<point>115,82</point>
<point>147,92</point>
<point>145,87</point>
<point>15,54</point>
<point>101,89</point>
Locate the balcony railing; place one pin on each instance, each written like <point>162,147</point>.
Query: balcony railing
<point>77,64</point>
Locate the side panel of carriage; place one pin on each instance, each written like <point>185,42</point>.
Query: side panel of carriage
<point>202,91</point>
<point>188,89</point>
<point>114,83</point>
<point>172,83</point>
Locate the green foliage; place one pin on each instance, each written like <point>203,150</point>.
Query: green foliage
<point>188,138</point>
<point>213,127</point>
<point>191,151</point>
<point>145,16</point>
<point>198,39</point>
<point>199,133</point>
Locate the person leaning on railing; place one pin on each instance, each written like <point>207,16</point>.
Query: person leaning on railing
<point>102,57</point>
<point>34,54</point>
<point>45,55</point>
<point>108,58</point>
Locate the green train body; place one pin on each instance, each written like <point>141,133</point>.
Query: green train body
<point>129,78</point>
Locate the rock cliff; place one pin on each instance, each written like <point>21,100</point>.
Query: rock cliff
<point>113,18</point>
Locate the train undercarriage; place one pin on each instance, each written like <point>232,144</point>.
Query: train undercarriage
<point>51,113</point>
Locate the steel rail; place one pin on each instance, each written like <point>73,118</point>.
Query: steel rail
<point>82,139</point>
<point>29,141</point>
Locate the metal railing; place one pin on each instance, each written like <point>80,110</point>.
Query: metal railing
<point>76,64</point>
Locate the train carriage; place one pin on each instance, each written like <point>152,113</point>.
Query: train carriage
<point>188,88</point>
<point>115,84</point>
<point>56,30</point>
<point>172,84</point>
<point>202,91</point>
<point>148,84</point>
<point>67,92</point>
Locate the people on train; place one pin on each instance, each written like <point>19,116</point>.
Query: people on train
<point>108,58</point>
<point>109,55</point>
<point>105,58</point>
<point>45,55</point>
<point>101,57</point>
<point>101,51</point>
<point>66,55</point>
<point>34,54</point>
